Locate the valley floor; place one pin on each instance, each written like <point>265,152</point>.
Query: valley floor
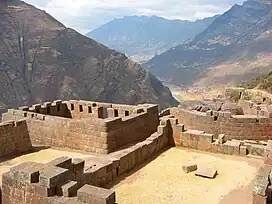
<point>194,93</point>
<point>163,180</point>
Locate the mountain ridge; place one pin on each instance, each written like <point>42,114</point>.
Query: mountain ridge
<point>147,35</point>
<point>235,47</point>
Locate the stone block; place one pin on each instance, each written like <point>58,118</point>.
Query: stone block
<point>257,199</point>
<point>263,173</point>
<point>206,172</point>
<point>195,132</point>
<point>260,187</point>
<point>95,195</point>
<point>68,190</point>
<point>44,191</point>
<point>222,139</point>
<point>62,162</point>
<point>233,147</point>
<point>257,150</point>
<point>78,164</point>
<point>269,194</point>
<point>27,172</point>
<point>243,150</point>
<point>268,155</point>
<point>189,168</point>
<point>205,142</point>
<point>52,176</point>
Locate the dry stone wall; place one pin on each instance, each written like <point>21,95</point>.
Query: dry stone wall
<point>239,127</point>
<point>201,140</point>
<point>14,138</point>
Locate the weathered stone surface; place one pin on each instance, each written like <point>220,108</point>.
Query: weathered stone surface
<point>222,139</point>
<point>206,172</point>
<point>189,168</point>
<point>243,150</point>
<point>52,176</point>
<point>257,199</point>
<point>260,187</point>
<point>62,162</point>
<point>69,189</point>
<point>94,195</point>
<point>268,155</point>
<point>257,150</point>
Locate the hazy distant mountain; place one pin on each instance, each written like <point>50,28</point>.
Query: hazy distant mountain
<point>237,46</point>
<point>145,36</point>
<point>42,60</point>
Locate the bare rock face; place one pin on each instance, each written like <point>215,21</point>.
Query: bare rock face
<point>41,59</point>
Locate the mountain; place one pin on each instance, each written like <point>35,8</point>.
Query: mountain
<point>237,46</point>
<point>142,36</point>
<point>42,60</point>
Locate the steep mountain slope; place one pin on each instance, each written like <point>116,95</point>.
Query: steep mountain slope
<point>235,47</point>
<point>263,82</point>
<point>41,59</point>
<point>145,36</point>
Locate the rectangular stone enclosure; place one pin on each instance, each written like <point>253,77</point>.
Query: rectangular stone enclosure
<point>86,126</point>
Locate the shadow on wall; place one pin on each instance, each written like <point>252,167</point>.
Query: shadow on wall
<point>33,150</point>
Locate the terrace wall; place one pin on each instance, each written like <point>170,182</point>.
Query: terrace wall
<point>233,126</point>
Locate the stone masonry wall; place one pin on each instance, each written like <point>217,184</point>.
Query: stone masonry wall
<point>233,126</point>
<point>201,140</point>
<point>56,108</point>
<point>66,181</point>
<point>83,109</point>
<point>14,138</point>
<point>90,134</point>
<point>52,131</point>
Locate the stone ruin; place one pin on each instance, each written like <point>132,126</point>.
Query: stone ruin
<point>122,137</point>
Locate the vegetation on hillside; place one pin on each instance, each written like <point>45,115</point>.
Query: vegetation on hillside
<point>263,82</point>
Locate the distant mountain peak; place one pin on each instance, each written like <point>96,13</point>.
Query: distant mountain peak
<point>141,37</point>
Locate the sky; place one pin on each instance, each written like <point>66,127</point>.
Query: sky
<point>86,15</point>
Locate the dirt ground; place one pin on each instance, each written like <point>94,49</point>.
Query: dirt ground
<point>163,181</point>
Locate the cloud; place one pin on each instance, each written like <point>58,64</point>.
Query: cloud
<point>85,15</point>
